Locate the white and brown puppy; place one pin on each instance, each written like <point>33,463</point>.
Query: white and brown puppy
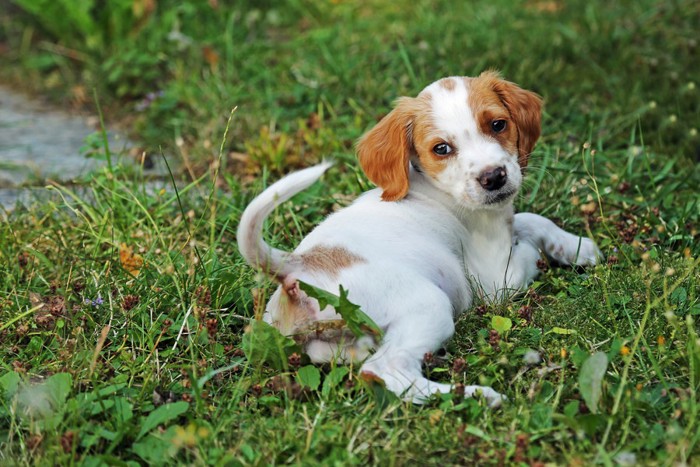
<point>439,229</point>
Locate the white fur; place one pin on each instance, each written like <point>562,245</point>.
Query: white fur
<point>423,257</point>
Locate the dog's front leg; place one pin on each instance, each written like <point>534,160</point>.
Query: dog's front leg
<point>558,244</point>
<point>423,322</point>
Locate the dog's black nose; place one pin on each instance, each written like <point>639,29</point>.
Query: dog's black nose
<point>493,179</point>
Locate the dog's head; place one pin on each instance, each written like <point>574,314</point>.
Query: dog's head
<point>470,136</point>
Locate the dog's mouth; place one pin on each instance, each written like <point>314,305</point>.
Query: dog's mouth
<point>500,196</point>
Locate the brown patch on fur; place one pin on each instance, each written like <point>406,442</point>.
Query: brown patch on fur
<point>293,308</point>
<point>447,83</point>
<point>329,259</point>
<point>487,107</point>
<point>493,98</point>
<point>384,151</point>
<point>293,312</point>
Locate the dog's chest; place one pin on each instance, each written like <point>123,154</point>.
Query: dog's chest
<point>488,261</point>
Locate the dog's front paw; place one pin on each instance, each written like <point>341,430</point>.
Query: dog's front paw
<point>587,253</point>
<point>493,398</point>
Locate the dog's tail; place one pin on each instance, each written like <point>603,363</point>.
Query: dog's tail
<point>250,241</point>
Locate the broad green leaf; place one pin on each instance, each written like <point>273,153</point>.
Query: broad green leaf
<point>334,378</point>
<point>122,410</point>
<point>9,382</point>
<point>248,452</point>
<point>478,432</point>
<point>309,376</point>
<point>100,406</point>
<point>591,423</point>
<point>590,379</point>
<point>156,449</point>
<point>541,416</point>
<point>501,324</point>
<point>357,320</point>
<point>58,387</point>
<point>263,343</point>
<point>614,352</point>
<point>161,415</point>
<point>571,409</point>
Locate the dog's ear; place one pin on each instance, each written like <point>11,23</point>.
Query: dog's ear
<point>385,150</point>
<point>525,109</point>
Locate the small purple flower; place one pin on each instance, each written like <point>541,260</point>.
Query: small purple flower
<point>96,302</point>
<point>148,100</point>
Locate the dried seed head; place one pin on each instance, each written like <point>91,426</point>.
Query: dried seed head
<point>78,286</point>
<point>129,302</point>
<point>494,339</point>
<point>525,312</point>
<point>23,259</point>
<point>34,441</point>
<point>458,392</point>
<point>521,444</point>
<point>458,365</point>
<point>212,326</point>
<point>294,360</point>
<point>44,319</point>
<point>203,296</point>
<point>22,330</point>
<point>276,383</point>
<point>534,296</point>
<point>67,441</point>
<point>349,384</point>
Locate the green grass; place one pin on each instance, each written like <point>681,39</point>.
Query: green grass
<point>99,364</point>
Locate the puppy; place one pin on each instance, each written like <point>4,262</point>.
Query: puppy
<point>437,231</point>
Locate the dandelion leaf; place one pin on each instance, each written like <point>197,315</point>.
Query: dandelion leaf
<point>590,379</point>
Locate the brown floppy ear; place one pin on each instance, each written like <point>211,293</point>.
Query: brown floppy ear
<point>525,109</point>
<point>384,151</point>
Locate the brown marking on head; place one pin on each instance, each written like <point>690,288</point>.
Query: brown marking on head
<point>425,137</point>
<point>384,151</point>
<point>492,98</point>
<point>447,83</point>
<point>329,259</point>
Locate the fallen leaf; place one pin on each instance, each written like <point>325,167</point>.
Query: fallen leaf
<point>589,208</point>
<point>130,261</point>
<point>35,300</point>
<point>211,56</point>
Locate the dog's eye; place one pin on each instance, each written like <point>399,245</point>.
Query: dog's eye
<point>498,126</point>
<point>442,149</point>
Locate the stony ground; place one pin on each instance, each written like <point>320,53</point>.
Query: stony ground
<point>39,142</point>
